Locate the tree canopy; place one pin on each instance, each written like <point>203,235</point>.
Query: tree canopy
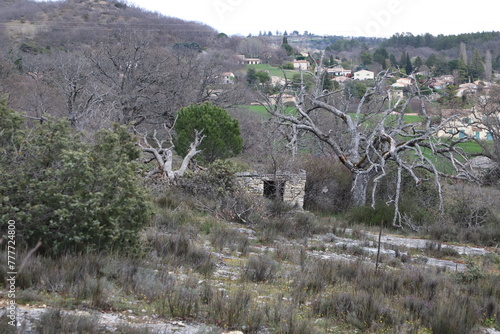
<point>222,133</point>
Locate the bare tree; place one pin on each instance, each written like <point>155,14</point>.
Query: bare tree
<point>463,53</point>
<point>488,66</point>
<point>148,83</point>
<point>141,79</point>
<point>487,118</point>
<point>163,152</point>
<point>30,94</point>
<point>74,77</point>
<point>373,135</point>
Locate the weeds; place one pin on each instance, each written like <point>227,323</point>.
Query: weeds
<point>180,249</point>
<point>260,268</point>
<point>435,249</point>
<point>285,291</point>
<point>54,321</point>
<point>222,237</point>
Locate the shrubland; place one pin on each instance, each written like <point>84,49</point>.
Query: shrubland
<point>209,253</point>
<point>94,233</point>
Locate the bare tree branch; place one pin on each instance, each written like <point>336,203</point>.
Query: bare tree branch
<point>162,152</point>
<point>375,135</point>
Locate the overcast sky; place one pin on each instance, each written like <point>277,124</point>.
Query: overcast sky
<point>376,18</point>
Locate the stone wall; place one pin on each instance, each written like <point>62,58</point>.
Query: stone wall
<point>293,185</point>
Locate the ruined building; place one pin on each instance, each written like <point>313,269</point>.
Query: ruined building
<point>288,187</point>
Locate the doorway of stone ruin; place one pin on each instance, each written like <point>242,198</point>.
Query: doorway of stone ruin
<point>274,189</point>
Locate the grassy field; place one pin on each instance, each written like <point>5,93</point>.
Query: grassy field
<point>413,118</point>
<point>261,110</point>
<point>471,147</point>
<point>274,71</point>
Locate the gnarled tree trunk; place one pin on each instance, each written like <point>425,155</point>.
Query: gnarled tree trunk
<point>360,183</point>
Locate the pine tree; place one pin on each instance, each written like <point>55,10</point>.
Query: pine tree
<point>408,65</point>
<point>222,133</point>
<point>476,67</point>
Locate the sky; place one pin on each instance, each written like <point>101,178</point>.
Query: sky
<point>373,18</point>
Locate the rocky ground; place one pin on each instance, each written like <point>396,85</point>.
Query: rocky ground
<point>341,247</point>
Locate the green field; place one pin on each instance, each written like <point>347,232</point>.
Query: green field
<point>413,118</point>
<point>261,110</point>
<point>274,71</point>
<point>471,147</point>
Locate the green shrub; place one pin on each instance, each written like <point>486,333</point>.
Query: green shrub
<point>381,214</point>
<point>70,195</point>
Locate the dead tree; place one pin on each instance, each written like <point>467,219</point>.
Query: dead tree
<point>162,152</point>
<point>372,134</point>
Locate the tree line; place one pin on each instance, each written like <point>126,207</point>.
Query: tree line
<point>439,42</point>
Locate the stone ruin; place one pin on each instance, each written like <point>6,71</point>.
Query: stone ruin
<point>288,187</point>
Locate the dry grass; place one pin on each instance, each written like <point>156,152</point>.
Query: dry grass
<point>281,290</point>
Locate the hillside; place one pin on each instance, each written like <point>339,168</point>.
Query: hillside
<point>71,23</point>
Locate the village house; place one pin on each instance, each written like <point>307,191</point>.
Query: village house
<point>402,82</point>
<point>301,65</point>
<point>228,78</point>
<point>285,99</point>
<point>447,78</point>
<point>247,61</point>
<point>338,71</point>
<point>396,94</point>
<point>364,75</point>
<point>467,123</point>
<point>252,61</point>
<point>438,84</point>
<point>466,89</point>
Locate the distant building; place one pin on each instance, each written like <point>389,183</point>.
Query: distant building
<point>467,123</point>
<point>466,89</point>
<point>284,98</point>
<point>228,78</point>
<point>438,84</point>
<point>252,61</point>
<point>248,61</point>
<point>447,78</point>
<point>403,82</point>
<point>301,65</point>
<point>364,75</point>
<point>396,94</point>
<point>338,71</point>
